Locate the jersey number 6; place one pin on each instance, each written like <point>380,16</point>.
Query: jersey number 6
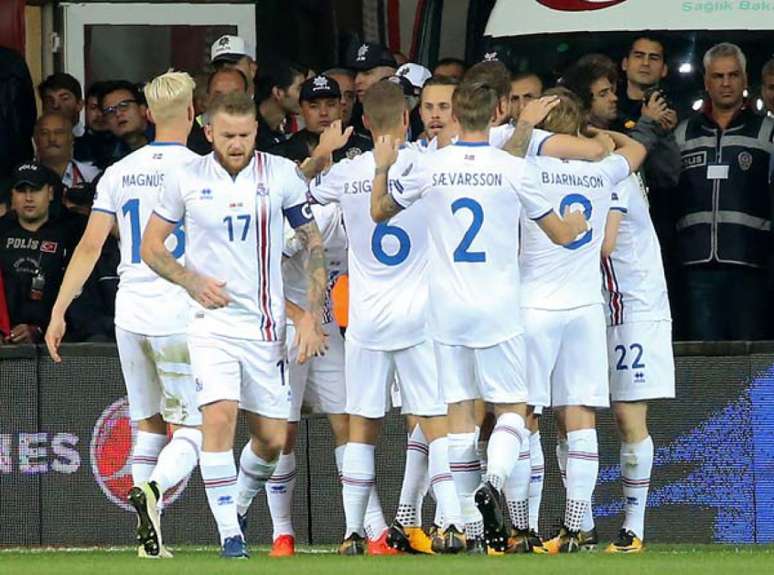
<point>404,244</point>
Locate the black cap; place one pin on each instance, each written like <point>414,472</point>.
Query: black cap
<point>319,87</point>
<point>367,56</point>
<point>31,174</point>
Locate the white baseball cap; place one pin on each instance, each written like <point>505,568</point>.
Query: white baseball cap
<point>230,49</point>
<point>414,73</point>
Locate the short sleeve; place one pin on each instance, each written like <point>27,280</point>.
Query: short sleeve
<point>616,168</point>
<point>409,181</point>
<point>294,185</point>
<point>499,135</point>
<point>103,197</point>
<point>328,186</point>
<point>526,180</point>
<point>536,141</point>
<point>171,206</point>
<point>622,193</point>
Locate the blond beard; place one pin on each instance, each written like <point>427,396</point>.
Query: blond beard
<point>232,172</point>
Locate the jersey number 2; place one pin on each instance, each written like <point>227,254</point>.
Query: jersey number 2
<point>131,208</point>
<point>463,253</point>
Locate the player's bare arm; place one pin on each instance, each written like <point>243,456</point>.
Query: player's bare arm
<point>564,230</point>
<point>634,152</point>
<point>331,140</point>
<point>612,224</point>
<point>309,335</point>
<point>79,269</point>
<point>533,113</point>
<point>383,206</point>
<point>207,291</point>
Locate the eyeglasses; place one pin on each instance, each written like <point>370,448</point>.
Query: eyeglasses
<point>122,106</point>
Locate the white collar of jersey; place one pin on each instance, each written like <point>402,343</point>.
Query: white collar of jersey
<point>471,144</point>
<point>157,143</point>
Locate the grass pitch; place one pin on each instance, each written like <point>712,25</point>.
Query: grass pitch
<point>658,559</point>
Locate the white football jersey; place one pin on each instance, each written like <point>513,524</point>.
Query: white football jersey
<point>473,196</point>
<point>557,277</point>
<point>634,284</point>
<point>234,233</point>
<point>146,304</point>
<point>330,222</point>
<point>499,136</point>
<point>387,262</point>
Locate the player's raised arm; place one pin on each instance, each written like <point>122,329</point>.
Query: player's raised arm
<point>634,152</point>
<point>79,269</point>
<point>383,206</point>
<point>331,140</point>
<point>205,290</point>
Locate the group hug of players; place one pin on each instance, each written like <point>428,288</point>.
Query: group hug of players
<point>474,260</point>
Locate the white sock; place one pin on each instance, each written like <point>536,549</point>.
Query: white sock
<point>279,495</point>
<point>537,476</point>
<point>220,483</point>
<point>374,517</point>
<point>516,491</point>
<point>254,472</point>
<point>636,467</point>
<point>145,455</point>
<point>466,471</point>
<point>443,484</point>
<point>508,435</point>
<point>178,459</point>
<point>358,477</point>
<point>582,470</point>
<point>411,491</point>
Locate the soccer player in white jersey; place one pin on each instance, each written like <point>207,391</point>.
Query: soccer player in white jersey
<point>387,325</point>
<point>151,313</point>
<point>472,196</point>
<point>562,306</point>
<point>318,384</point>
<point>639,340</point>
<point>233,202</point>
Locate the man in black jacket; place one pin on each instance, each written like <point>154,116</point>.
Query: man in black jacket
<point>724,209</point>
<point>320,102</point>
<point>17,111</point>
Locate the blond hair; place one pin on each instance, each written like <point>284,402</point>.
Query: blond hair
<point>568,116</point>
<point>383,105</point>
<point>169,95</point>
<point>474,105</point>
<point>233,104</point>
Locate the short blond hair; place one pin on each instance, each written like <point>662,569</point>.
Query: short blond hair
<point>474,104</point>
<point>169,95</point>
<point>383,105</point>
<point>568,116</point>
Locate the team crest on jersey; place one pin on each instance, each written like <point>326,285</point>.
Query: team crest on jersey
<point>470,157</point>
<point>206,194</point>
<point>745,160</point>
<point>261,190</point>
<point>353,153</point>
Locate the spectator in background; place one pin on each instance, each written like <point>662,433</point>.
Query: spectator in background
<point>96,142</point>
<point>235,52</point>
<point>17,112</point>
<point>646,115</point>
<point>320,106</point>
<point>277,97</point>
<point>723,208</point>
<point>525,87</point>
<point>371,62</point>
<point>435,108</point>
<point>451,67</point>
<point>53,138</point>
<point>346,80</point>
<point>5,200</point>
<point>222,81</point>
<point>411,78</point>
<point>767,87</point>
<point>594,79</point>
<point>33,253</point>
<point>62,93</point>
<point>125,113</point>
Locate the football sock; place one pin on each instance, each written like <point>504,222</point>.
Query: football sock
<point>254,472</point>
<point>412,490</point>
<point>508,435</point>
<point>537,476</point>
<point>220,484</point>
<point>636,467</point>
<point>279,495</point>
<point>516,490</point>
<point>466,471</point>
<point>145,455</point>
<point>443,484</point>
<point>178,458</point>
<point>582,471</point>
<point>358,477</point>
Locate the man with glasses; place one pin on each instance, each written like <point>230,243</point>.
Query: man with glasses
<point>125,114</point>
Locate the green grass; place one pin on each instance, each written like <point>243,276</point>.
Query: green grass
<point>659,559</point>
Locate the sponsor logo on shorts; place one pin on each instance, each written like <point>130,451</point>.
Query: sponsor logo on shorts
<point>111,450</point>
<point>639,377</point>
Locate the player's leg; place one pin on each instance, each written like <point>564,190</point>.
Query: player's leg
<point>456,373</point>
<point>537,468</point>
<point>414,485</point>
<point>216,368</point>
<point>422,396</point>
<point>485,421</point>
<point>642,369</point>
<point>502,374</point>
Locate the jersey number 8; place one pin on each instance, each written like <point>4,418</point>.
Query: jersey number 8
<point>132,209</point>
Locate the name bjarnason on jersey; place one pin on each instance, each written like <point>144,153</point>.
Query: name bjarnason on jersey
<point>564,179</point>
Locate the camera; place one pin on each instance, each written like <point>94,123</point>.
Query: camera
<point>656,90</point>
